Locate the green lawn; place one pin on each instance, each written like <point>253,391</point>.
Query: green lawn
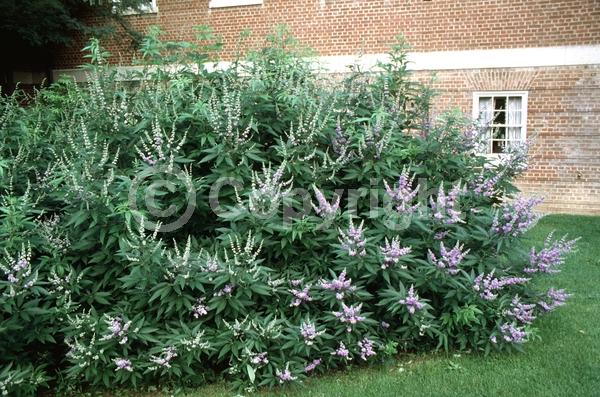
<point>565,362</point>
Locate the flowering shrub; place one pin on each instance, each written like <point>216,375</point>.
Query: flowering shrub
<point>255,223</point>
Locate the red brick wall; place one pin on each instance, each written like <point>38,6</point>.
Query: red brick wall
<point>563,118</point>
<point>350,26</point>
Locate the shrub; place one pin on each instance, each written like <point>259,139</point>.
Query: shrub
<point>259,223</point>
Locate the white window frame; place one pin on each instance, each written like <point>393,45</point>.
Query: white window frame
<point>524,99</point>
<point>151,9</point>
<point>233,3</point>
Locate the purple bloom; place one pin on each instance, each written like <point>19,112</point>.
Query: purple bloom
<point>301,296</point>
<point>411,301</point>
<point>521,311</point>
<point>118,329</point>
<point>199,309</point>
<point>338,285</point>
<point>212,264</point>
<point>147,158</point>
<point>324,209</point>
<point>350,315</point>
<point>123,364</point>
<point>393,252</point>
<point>296,283</point>
<point>339,142</point>
<point>554,299</point>
<point>441,235</point>
<point>285,376</point>
<point>353,240</point>
<point>19,271</point>
<point>403,195</point>
<point>341,351</point>
<point>227,290</point>
<point>517,217</point>
<point>449,259</point>
<point>550,257</point>
<point>164,360</point>
<point>487,284</point>
<point>311,367</point>
<point>259,359</point>
<point>366,349</point>
<point>268,190</point>
<point>444,207</point>
<point>309,333</point>
<point>513,334</point>
<point>485,186</point>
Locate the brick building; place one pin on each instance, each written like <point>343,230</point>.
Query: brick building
<point>530,67</point>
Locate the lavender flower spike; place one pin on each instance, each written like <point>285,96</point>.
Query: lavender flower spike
<point>366,349</point>
<point>403,195</point>
<point>555,297</point>
<point>285,375</point>
<point>339,142</point>
<point>517,217</point>
<point>483,186</point>
<point>301,296</point>
<point>259,359</point>
<point>123,364</point>
<point>393,252</point>
<point>411,301</point>
<point>449,259</point>
<point>164,360</point>
<point>551,256</point>
<point>350,315</point>
<point>353,240</point>
<point>324,209</point>
<point>118,329</point>
<point>309,333</point>
<point>199,309</point>
<point>338,285</point>
<point>311,367</point>
<point>444,207</point>
<point>521,311</point>
<point>513,334</point>
<point>486,284</point>
<point>341,351</point>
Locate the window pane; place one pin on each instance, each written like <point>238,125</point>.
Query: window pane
<point>514,102</point>
<point>514,111</point>
<point>499,117</point>
<point>514,134</point>
<point>498,133</point>
<point>485,110</point>
<point>497,146</point>
<point>500,103</point>
<point>502,118</point>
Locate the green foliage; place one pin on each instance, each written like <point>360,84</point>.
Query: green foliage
<point>157,227</point>
<point>39,23</point>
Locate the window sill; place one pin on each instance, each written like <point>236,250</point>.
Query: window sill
<point>140,12</point>
<point>150,7</point>
<point>233,3</point>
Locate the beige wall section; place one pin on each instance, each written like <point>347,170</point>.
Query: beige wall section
<point>564,118</point>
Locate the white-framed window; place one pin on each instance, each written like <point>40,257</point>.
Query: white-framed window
<point>233,3</point>
<point>147,7</point>
<point>503,116</point>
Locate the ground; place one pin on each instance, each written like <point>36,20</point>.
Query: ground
<point>565,361</point>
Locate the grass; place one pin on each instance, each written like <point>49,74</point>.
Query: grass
<point>565,362</point>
